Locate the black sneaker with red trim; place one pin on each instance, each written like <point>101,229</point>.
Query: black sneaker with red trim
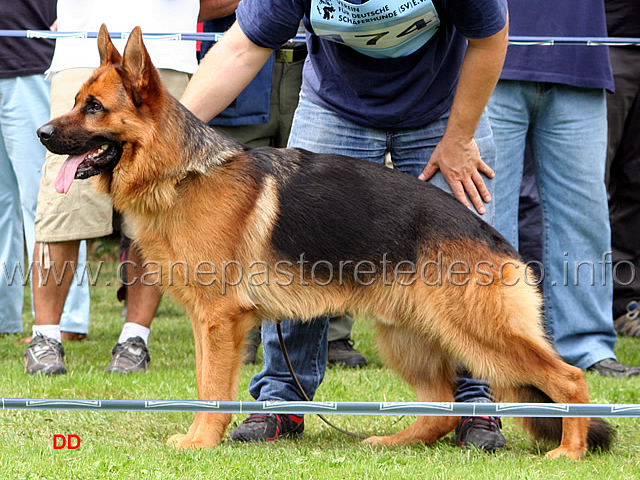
<point>260,427</point>
<point>480,432</point>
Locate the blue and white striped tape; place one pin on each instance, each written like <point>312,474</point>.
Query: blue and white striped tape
<point>213,36</point>
<point>337,408</point>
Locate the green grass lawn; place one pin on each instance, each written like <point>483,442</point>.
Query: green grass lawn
<point>132,444</point>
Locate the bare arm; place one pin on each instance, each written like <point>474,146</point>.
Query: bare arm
<point>457,154</point>
<point>224,72</point>
<point>210,9</point>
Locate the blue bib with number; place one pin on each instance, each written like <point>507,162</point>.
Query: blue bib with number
<point>378,28</point>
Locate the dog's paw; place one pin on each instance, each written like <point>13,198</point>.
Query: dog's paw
<point>175,439</point>
<point>373,440</point>
<point>182,441</point>
<point>561,451</point>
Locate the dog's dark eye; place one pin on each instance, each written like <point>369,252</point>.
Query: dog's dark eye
<point>95,106</point>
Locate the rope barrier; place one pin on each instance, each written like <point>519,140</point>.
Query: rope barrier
<point>215,36</point>
<point>333,408</point>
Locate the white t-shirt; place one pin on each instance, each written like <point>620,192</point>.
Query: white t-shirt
<point>153,16</point>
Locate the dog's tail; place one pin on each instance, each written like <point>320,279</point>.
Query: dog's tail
<point>600,435</point>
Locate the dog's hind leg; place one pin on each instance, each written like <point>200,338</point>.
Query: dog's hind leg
<point>422,364</point>
<point>514,359</point>
<point>219,340</point>
<point>496,332</point>
<point>564,383</point>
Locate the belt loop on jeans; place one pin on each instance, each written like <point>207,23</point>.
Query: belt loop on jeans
<point>291,53</point>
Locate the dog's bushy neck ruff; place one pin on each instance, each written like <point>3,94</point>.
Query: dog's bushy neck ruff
<point>163,144</point>
<point>203,148</point>
<point>171,146</point>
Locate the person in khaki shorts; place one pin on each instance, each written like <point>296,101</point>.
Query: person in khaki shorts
<point>63,221</point>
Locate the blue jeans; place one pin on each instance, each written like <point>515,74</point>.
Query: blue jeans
<point>566,128</point>
<point>322,131</point>
<point>24,107</point>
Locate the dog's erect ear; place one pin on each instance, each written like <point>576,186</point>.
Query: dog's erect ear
<point>108,52</point>
<point>137,62</point>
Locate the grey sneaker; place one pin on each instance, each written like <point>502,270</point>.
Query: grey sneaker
<point>610,367</point>
<point>129,357</point>
<point>44,355</point>
<point>629,322</point>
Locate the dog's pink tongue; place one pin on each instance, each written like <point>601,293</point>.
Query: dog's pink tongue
<point>67,173</point>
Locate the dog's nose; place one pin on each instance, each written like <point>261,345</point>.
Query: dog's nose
<point>46,131</point>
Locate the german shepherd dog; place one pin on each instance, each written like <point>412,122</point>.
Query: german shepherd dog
<point>287,233</point>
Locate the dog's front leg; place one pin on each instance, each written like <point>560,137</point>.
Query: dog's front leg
<point>219,341</point>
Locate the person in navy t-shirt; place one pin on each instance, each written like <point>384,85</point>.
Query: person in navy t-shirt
<point>408,78</point>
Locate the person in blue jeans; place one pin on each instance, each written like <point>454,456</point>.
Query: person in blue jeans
<point>24,106</point>
<point>554,98</point>
<point>415,87</point>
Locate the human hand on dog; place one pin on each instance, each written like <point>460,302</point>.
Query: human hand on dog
<point>460,162</point>
<point>457,155</point>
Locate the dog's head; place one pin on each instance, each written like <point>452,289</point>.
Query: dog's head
<point>110,112</point>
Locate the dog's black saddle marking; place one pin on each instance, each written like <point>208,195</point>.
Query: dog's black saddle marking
<point>335,208</point>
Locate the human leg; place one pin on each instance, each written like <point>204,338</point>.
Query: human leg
<point>61,223</point>
<point>327,132</point>
<point>285,94</point>
<point>11,250</point>
<point>74,323</point>
<point>306,346</point>
<point>53,264</point>
<point>569,151</point>
<point>143,296</point>
<point>530,218</point>
<point>321,131</point>
<point>24,106</point>
<point>29,101</point>
<point>335,135</point>
<point>317,130</point>
<point>509,112</point>
<point>11,246</point>
<point>410,150</point>
<point>131,355</point>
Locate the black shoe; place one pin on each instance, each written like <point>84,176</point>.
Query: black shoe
<point>480,432</point>
<point>613,368</point>
<point>129,357</point>
<point>341,352</point>
<point>260,427</point>
<point>44,355</point>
